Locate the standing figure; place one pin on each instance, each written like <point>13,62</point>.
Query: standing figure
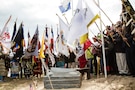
<point>119,50</point>
<point>89,57</point>
<point>3,71</point>
<point>71,59</point>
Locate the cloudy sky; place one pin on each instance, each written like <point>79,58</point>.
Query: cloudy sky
<point>42,12</point>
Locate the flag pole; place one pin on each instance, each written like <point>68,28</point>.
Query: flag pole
<point>92,32</point>
<point>102,11</point>
<point>98,27</point>
<point>57,25</point>
<point>72,8</point>
<point>100,22</point>
<point>66,19</point>
<point>103,48</point>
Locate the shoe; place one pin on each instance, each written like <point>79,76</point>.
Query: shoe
<point>120,74</point>
<point>128,74</point>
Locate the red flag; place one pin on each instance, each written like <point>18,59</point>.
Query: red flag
<point>87,44</point>
<point>51,40</point>
<point>51,44</point>
<point>46,47</point>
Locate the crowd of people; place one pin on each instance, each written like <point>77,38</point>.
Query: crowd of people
<point>119,46</point>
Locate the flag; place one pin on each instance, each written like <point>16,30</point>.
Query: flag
<point>51,56</point>
<point>52,40</point>
<point>77,27</point>
<point>29,39</point>
<point>5,36</point>
<point>79,22</point>
<point>56,43</point>
<point>65,6</point>
<point>33,47</point>
<point>51,44</point>
<point>46,38</point>
<point>19,42</point>
<point>89,16</point>
<point>41,53</point>
<point>83,38</point>
<point>5,26</point>
<point>87,44</point>
<point>62,48</point>
<point>46,31</point>
<point>6,46</point>
<point>93,20</point>
<point>64,29</point>
<point>19,36</point>
<point>14,31</point>
<point>52,32</point>
<point>34,60</point>
<point>34,41</point>
<point>46,34</point>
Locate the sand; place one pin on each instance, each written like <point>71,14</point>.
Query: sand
<point>112,82</point>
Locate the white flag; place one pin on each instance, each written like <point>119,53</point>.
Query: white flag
<point>64,28</point>
<point>87,14</point>
<point>51,57</point>
<point>82,18</point>
<point>77,27</point>
<point>61,47</point>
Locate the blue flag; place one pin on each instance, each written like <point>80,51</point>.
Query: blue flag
<point>65,6</point>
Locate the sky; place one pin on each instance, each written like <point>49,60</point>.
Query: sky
<point>43,12</point>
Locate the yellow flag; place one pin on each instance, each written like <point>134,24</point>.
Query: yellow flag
<point>83,38</point>
<point>41,53</point>
<point>93,20</point>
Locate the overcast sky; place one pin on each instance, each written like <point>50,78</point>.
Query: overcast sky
<point>42,12</point>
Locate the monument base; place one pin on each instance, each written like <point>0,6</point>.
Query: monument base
<point>61,78</point>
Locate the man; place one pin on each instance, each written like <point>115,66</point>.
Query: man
<point>119,50</point>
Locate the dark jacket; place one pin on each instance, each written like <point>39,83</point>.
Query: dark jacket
<point>118,43</point>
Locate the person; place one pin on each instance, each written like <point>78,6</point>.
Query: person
<point>119,50</point>
<point>130,50</point>
<point>3,71</point>
<point>96,50</point>
<point>71,59</point>
<point>37,67</point>
<point>89,57</point>
<point>27,65</point>
<point>60,62</point>
<point>132,53</point>
<point>82,63</point>
<point>110,56</point>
